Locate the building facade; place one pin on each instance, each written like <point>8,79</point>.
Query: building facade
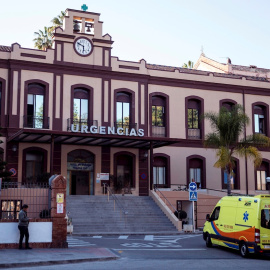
<point>78,111</point>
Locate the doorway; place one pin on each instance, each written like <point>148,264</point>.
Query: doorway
<point>80,183</point>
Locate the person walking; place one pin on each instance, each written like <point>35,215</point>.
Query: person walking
<point>23,227</point>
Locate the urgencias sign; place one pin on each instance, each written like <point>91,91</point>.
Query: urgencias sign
<point>107,130</point>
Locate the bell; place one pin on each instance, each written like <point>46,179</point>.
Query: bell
<point>76,27</point>
<point>88,29</point>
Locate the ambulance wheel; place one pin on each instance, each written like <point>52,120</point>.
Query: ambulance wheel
<point>208,241</point>
<point>244,250</point>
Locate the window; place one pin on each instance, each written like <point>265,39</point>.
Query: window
<point>261,173</point>
<point>160,171</point>
<point>227,103</point>
<point>159,176</point>
<point>235,179</point>
<point>259,120</point>
<point>35,165</point>
<point>123,118</point>
<point>193,112</point>
<point>35,107</point>
<point>215,214</point>
<point>10,209</point>
<point>260,112</point>
<point>265,218</point>
<point>80,106</point>
<point>158,116</point>
<point>196,171</point>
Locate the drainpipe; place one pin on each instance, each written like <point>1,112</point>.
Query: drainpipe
<point>151,165</point>
<point>245,135</point>
<point>52,150</point>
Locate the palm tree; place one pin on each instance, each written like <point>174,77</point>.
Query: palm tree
<point>188,65</point>
<point>229,139</point>
<point>58,21</point>
<point>44,40</point>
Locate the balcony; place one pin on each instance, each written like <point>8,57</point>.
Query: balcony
<point>158,131</point>
<point>194,133</point>
<point>80,122</point>
<point>125,126</point>
<point>30,121</point>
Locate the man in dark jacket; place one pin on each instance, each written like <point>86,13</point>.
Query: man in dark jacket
<point>23,227</point>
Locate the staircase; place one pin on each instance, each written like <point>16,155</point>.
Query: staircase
<point>93,215</point>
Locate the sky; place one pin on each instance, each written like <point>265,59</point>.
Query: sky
<point>169,32</point>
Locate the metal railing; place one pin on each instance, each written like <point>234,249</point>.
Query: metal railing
<point>116,202</point>
<point>194,133</point>
<point>158,131</point>
<point>80,122</point>
<point>13,195</point>
<point>31,121</point>
<point>166,201</point>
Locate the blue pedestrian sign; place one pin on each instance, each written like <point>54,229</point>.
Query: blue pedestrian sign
<point>193,196</point>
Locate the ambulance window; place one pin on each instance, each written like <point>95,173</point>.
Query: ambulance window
<point>215,214</point>
<point>265,219</point>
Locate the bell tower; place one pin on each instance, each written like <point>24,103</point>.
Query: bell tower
<point>80,41</point>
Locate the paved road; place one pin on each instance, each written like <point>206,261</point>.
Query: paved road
<point>161,252</point>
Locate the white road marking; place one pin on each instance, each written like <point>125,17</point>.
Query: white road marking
<point>123,237</point>
<point>74,242</point>
<point>149,238</point>
<point>97,236</point>
<point>172,249</point>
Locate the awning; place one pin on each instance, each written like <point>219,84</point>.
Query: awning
<point>72,138</point>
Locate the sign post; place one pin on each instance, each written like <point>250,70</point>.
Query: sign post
<point>193,196</point>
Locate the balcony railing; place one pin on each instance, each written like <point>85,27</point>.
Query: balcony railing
<point>194,133</point>
<point>125,126</point>
<point>30,121</point>
<point>80,122</point>
<point>158,131</point>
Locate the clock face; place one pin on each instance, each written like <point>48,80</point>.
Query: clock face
<point>83,46</point>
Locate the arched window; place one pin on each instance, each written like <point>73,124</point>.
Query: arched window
<point>260,118</point>
<point>35,165</point>
<point>235,179</point>
<point>161,171</point>
<point>123,110</point>
<point>80,106</point>
<point>261,174</point>
<point>194,109</point>
<point>227,103</point>
<point>159,114</point>
<point>35,110</point>
<point>196,171</point>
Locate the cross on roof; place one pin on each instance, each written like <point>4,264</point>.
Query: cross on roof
<point>84,7</point>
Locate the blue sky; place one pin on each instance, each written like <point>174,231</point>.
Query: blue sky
<point>162,32</point>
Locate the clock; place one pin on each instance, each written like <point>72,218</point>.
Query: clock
<point>83,46</point>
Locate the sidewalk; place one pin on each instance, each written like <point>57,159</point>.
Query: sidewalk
<point>40,257</point>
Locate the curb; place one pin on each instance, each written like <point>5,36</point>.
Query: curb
<point>46,263</point>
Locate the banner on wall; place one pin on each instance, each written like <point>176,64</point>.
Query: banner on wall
<point>76,166</point>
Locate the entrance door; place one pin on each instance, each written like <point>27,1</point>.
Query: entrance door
<point>79,183</point>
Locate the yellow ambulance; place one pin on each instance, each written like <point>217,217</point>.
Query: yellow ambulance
<point>241,223</point>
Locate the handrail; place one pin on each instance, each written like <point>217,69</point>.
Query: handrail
<point>166,200</point>
<point>109,190</point>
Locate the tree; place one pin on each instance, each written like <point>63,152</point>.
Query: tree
<point>229,139</point>
<point>44,40</point>
<point>188,65</point>
<point>58,21</point>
